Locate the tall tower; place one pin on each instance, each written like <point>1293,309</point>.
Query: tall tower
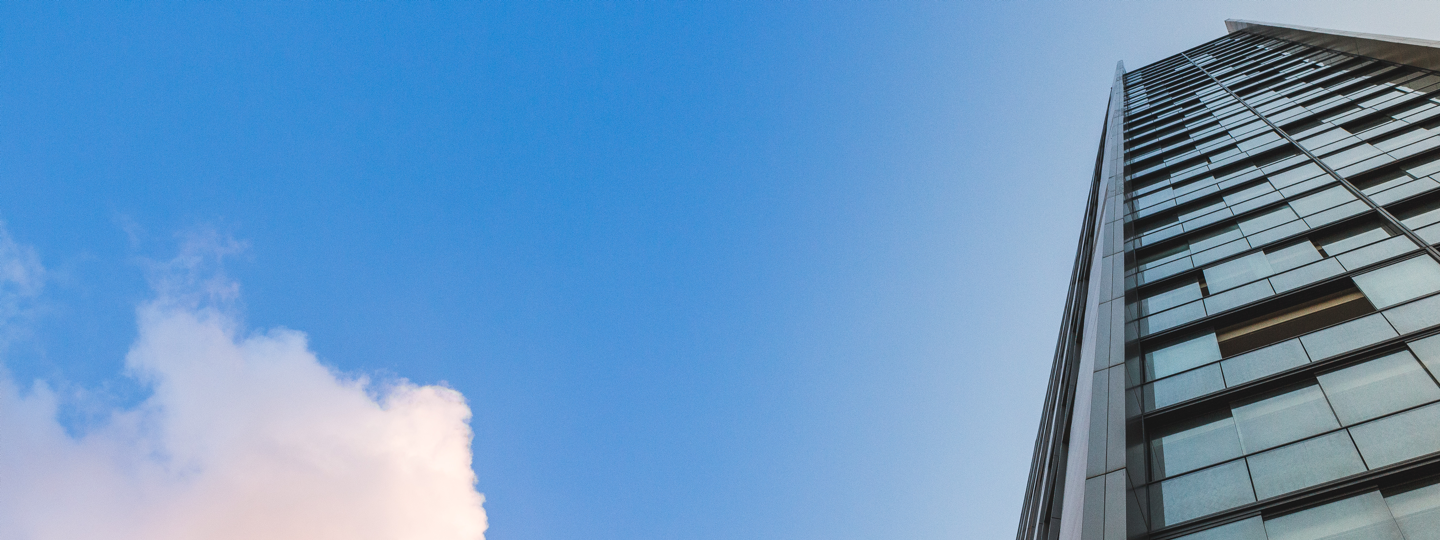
<point>1250,346</point>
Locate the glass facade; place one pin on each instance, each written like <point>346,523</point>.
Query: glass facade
<point>1251,346</point>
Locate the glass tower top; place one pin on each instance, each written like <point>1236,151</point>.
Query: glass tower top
<point>1251,344</point>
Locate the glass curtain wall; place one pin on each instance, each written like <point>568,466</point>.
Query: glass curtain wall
<point>1282,295</point>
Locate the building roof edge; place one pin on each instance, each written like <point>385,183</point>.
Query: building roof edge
<point>1422,53</point>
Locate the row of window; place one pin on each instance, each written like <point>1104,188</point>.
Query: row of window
<point>1262,273</point>
<point>1343,422</point>
<point>1244,61</point>
<point>1413,514</point>
<point>1343,134</point>
<point>1226,216</point>
<point>1298,262</point>
<point>1142,119</point>
<point>1310,84</point>
<point>1341,320</point>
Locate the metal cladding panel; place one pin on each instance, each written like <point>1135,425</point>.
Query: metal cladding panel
<point>1409,51</point>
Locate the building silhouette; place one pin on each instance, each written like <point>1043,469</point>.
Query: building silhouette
<point>1250,347</point>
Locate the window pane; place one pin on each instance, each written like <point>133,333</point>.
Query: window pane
<point>1287,417</point>
<point>1417,512</point>
<point>1230,274</point>
<point>1351,155</point>
<point>1323,138</point>
<point>1429,167</point>
<point>1304,464</point>
<point>1249,193</point>
<point>1296,175</point>
<point>1168,319</point>
<point>1422,215</point>
<point>1414,316</point>
<point>1378,387</point>
<point>1225,234</point>
<point>1357,518</point>
<point>1193,352</point>
<point>1382,181</point>
<point>1261,362</point>
<point>1353,238</point>
<point>1347,336</point>
<point>1166,299</point>
<point>1246,529</point>
<point>1292,256</point>
<point>1399,437</point>
<point>1203,210</point>
<point>1428,350</point>
<point>1325,199</point>
<point>1191,384</point>
<point>1267,220</point>
<point>1202,493</point>
<point>1400,282</point>
<point>1191,445</point>
<point>1162,257</point>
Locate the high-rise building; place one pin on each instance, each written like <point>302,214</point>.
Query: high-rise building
<point>1250,348</point>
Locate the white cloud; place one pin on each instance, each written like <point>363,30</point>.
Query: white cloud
<point>246,436</point>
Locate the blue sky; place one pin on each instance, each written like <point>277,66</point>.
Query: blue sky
<point>702,271</point>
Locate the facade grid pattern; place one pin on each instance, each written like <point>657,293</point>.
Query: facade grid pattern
<point>1251,347</point>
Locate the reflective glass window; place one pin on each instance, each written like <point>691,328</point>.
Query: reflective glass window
<point>1267,220</point>
<point>1303,464</point>
<point>1202,493</point>
<point>1245,529</point>
<point>1353,237</point>
<point>1156,225</point>
<point>1346,337</point>
<point>1212,239</point>
<point>1203,210</point>
<point>1399,282</point>
<point>1378,387</point>
<point>1168,298</point>
<point>1351,155</point>
<point>1162,257</point>
<point>1399,437</point>
<point>1192,352</point>
<point>1236,272</point>
<point>1382,181</point>
<point>1324,137</point>
<point>1261,362</point>
<point>1420,216</point>
<point>1428,350</point>
<point>1191,445</point>
<point>1417,512</point>
<point>1292,256</point>
<point>1289,416</point>
<point>1328,198</point>
<point>1249,193</point>
<point>1191,384</point>
<point>1426,166</point>
<point>1296,175</point>
<point>1358,518</point>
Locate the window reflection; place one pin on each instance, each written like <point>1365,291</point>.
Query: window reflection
<point>1289,416</point>
<point>1364,517</point>
<point>1194,444</point>
<point>1192,352</point>
<point>1378,387</point>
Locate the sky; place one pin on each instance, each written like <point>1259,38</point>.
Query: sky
<point>683,270</point>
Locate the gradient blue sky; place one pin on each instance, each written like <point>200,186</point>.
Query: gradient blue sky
<point>780,270</point>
